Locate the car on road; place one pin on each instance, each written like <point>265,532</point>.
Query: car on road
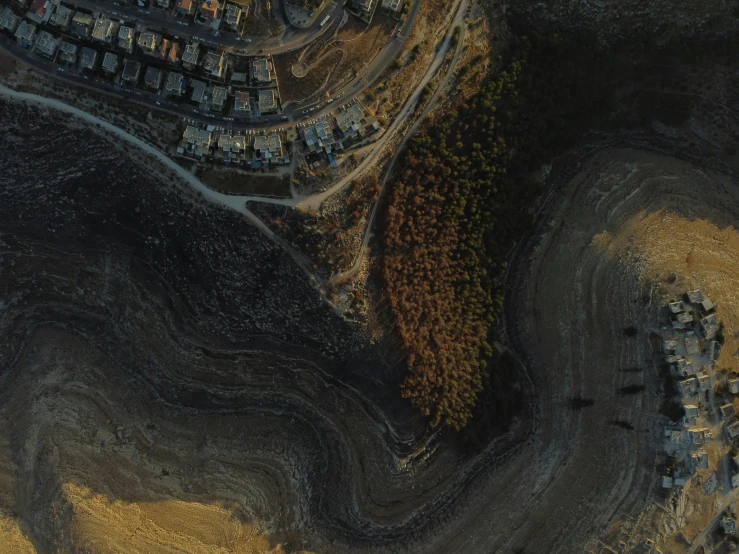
<point>60,68</point>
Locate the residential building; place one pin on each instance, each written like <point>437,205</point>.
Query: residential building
<point>734,386</point>
<point>25,33</point>
<point>162,4</point>
<point>110,62</point>
<point>318,138</point>
<point>269,148</point>
<point>61,17</point>
<point>266,101</point>
<point>233,16</point>
<point>697,436</point>
<point>88,58</point>
<point>185,7</point>
<point>196,141</point>
<point>131,70</point>
<point>242,102</point>
<point>125,38</point>
<point>363,6</point>
<point>691,411</point>
<point>153,77</point>
<point>198,90</point>
<point>728,524</point>
<point>40,11</point>
<point>190,55</point>
<point>705,382</point>
<point>700,459</point>
<point>685,367</point>
<point>81,25</point>
<point>231,148</point>
<point>688,387</point>
<point>218,97</point>
<point>173,56</point>
<point>695,296</point>
<point>211,10</point>
<point>174,84</point>
<point>666,482</point>
<point>392,5</point>
<point>20,4</point>
<point>676,307</point>
<point>261,71</point>
<point>8,20</point>
<point>732,430</point>
<point>692,344</point>
<point>105,30</point>
<point>47,44</point>
<point>68,52</point>
<point>735,481</point>
<point>714,350</point>
<point>215,64</point>
<point>149,42</point>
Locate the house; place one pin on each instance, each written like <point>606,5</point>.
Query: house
<point>125,38</point>
<point>734,386</point>
<point>261,71</point>
<point>88,58</point>
<point>215,64</point>
<point>684,317</point>
<point>714,350</point>
<point>190,55</point>
<point>732,430</point>
<point>350,122</point>
<point>676,436</point>
<point>47,44</point>
<point>728,524</point>
<point>685,367</point>
<point>81,24</point>
<point>242,102</point>
<point>697,436</point>
<point>210,10</point>
<point>153,77</point>
<point>318,137</point>
<point>185,7</point>
<point>40,11</point>
<point>68,52</point>
<point>692,344</point>
<point>61,17</point>
<point>392,5</point>
<point>688,387</point>
<point>267,101</point>
<point>198,90</point>
<point>174,50</point>
<point>105,30</point>
<point>8,20</point>
<point>131,71</point>
<point>233,16</point>
<point>363,6</point>
<point>218,97</point>
<point>669,345</point>
<point>709,325</point>
<point>268,148</point>
<point>196,141</point>
<point>700,459</point>
<point>727,411</point>
<point>676,307</point>
<point>174,84</point>
<point>110,63</point>
<point>231,148</point>
<point>25,33</point>
<point>149,42</point>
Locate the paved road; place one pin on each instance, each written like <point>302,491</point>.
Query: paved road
<point>183,109</point>
<point>458,20</point>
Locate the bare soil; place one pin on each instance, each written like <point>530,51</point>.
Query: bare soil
<point>239,181</point>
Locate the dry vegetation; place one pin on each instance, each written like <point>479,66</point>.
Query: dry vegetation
<point>238,181</point>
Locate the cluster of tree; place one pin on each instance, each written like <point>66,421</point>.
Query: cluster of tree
<point>460,203</point>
